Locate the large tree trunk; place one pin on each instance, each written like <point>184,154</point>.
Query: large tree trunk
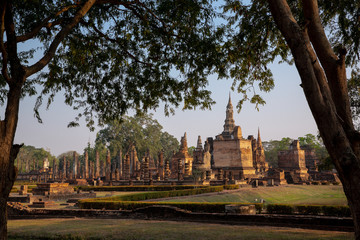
<point>8,153</point>
<point>323,80</point>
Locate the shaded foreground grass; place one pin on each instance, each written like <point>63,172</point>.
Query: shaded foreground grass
<point>143,229</point>
<point>287,194</point>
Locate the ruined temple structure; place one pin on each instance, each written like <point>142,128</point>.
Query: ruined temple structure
<point>259,163</point>
<point>185,159</point>
<point>202,157</point>
<point>292,161</point>
<point>311,160</point>
<point>239,157</point>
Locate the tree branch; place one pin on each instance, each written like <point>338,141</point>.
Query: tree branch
<point>2,45</point>
<point>58,38</point>
<point>317,93</point>
<point>115,41</point>
<point>44,23</point>
<point>333,66</point>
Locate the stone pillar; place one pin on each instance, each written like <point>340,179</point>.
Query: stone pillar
<point>97,165</point>
<point>117,177</point>
<point>220,175</point>
<point>120,165</point>
<point>102,169</point>
<point>86,167</point>
<point>179,170</point>
<point>78,168</point>
<point>166,170</point>
<point>187,169</point>
<point>64,176</point>
<point>231,176</point>
<point>91,170</point>
<point>75,164</point>
<point>54,170</point>
<point>146,169</point>
<point>108,167</point>
<point>161,165</point>
<point>142,164</point>
<point>127,167</point>
<point>208,175</point>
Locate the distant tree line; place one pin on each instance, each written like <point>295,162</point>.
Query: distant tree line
<point>141,131</point>
<point>311,141</point>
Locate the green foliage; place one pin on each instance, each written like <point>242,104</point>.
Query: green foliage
<point>231,187</point>
<point>309,141</point>
<point>338,211</point>
<point>142,131</point>
<point>354,94</point>
<point>279,209</point>
<point>189,206</point>
<point>137,188</point>
<point>128,55</point>
<point>254,41</point>
<point>272,148</point>
<point>32,158</point>
<point>162,194</point>
<point>308,209</point>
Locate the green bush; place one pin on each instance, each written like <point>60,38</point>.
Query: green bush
<point>138,188</point>
<point>279,209</point>
<point>308,209</point>
<point>163,194</point>
<point>338,211</point>
<point>231,187</point>
<point>129,205</point>
<point>315,183</point>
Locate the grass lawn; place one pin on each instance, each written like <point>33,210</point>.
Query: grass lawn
<point>287,194</point>
<point>142,229</point>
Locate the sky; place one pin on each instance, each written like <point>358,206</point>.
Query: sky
<point>285,114</point>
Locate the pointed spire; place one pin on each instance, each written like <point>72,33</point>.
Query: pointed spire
<point>259,143</point>
<point>199,143</point>
<point>229,121</point>
<point>183,143</point>
<point>229,103</point>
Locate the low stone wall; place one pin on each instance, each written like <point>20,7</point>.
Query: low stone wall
<point>175,214</point>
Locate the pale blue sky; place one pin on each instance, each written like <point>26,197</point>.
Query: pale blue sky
<point>286,114</point>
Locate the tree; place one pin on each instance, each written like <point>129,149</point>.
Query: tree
<point>141,131</point>
<point>323,38</point>
<point>273,147</point>
<point>106,56</point>
<point>31,158</point>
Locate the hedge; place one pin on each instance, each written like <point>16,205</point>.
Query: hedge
<point>231,187</point>
<point>190,206</point>
<point>163,194</point>
<point>139,188</point>
<point>338,211</point>
<point>279,209</point>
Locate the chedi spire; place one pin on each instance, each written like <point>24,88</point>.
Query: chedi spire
<point>229,121</point>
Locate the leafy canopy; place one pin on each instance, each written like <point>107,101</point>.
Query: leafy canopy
<point>141,131</point>
<point>122,54</point>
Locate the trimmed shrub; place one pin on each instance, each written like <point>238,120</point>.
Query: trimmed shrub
<point>138,188</point>
<point>164,194</point>
<point>308,209</point>
<point>231,187</point>
<point>129,205</point>
<point>338,211</point>
<point>279,209</point>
